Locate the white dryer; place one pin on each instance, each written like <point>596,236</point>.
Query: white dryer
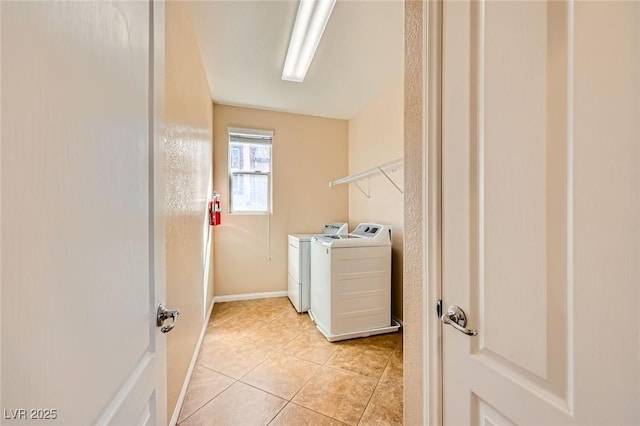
<point>299,264</point>
<point>351,283</point>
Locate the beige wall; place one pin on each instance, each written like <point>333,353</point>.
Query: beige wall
<point>188,121</point>
<point>308,152</point>
<point>376,136</point>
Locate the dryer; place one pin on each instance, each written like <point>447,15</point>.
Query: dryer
<point>299,264</point>
<point>351,283</point>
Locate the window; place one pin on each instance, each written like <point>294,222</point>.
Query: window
<point>249,171</point>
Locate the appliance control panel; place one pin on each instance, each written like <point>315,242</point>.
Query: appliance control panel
<point>335,229</point>
<point>368,230</point>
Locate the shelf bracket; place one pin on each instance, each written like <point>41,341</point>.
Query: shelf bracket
<point>383,169</point>
<point>366,193</point>
<point>390,180</point>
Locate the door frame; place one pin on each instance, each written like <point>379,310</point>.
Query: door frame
<point>422,356</point>
<point>432,214</point>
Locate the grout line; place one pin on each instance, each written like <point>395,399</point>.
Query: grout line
<point>208,401</point>
<point>375,388</point>
<point>216,371</point>
<point>304,359</point>
<point>279,411</point>
<point>317,412</point>
<point>265,391</point>
<point>305,383</point>
<point>353,373</point>
<point>257,365</point>
<point>368,402</point>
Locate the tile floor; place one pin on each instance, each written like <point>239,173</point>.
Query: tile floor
<point>262,363</point>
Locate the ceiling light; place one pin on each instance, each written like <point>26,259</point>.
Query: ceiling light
<point>311,21</point>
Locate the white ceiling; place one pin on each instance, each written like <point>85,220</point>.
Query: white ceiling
<point>244,43</point>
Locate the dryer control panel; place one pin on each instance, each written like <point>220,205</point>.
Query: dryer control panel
<point>337,228</point>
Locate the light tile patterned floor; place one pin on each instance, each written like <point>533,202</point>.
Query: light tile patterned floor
<point>262,363</point>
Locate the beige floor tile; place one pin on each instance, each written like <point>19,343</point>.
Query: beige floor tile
<point>230,308</point>
<point>269,308</point>
<point>281,375</point>
<point>233,358</point>
<point>295,415</point>
<point>225,316</point>
<point>311,346</point>
<point>271,337</point>
<point>279,302</point>
<point>234,309</point>
<point>270,313</point>
<point>275,351</point>
<point>369,361</point>
<point>387,341</point>
<point>385,407</point>
<point>400,343</point>
<point>240,404</point>
<point>235,327</point>
<point>204,385</point>
<point>221,307</point>
<point>261,309</point>
<point>223,311</point>
<point>264,315</point>
<point>393,371</point>
<point>292,319</point>
<point>266,311</point>
<point>213,339</point>
<point>337,394</point>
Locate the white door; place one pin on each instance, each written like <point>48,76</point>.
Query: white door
<point>79,287</point>
<point>541,212</point>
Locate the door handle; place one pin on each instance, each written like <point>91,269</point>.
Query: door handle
<point>456,318</point>
<point>163,315</point>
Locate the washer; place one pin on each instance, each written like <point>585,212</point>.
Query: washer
<point>299,264</point>
<point>351,283</point>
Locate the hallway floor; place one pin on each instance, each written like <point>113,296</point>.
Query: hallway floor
<point>262,363</point>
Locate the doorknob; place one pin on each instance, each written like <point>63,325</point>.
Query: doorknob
<point>163,315</point>
<point>456,318</point>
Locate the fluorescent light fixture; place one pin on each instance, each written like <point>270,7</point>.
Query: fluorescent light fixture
<point>311,21</point>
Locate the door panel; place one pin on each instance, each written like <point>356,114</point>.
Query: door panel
<point>519,167</point>
<point>510,245</point>
<point>79,296</point>
<point>515,114</point>
<point>484,414</point>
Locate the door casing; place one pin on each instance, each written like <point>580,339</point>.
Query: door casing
<point>432,216</point>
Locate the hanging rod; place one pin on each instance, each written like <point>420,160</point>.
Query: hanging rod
<point>383,169</point>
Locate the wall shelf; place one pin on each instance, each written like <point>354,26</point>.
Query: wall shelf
<point>383,169</point>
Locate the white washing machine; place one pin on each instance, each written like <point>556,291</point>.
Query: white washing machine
<point>351,283</point>
<point>299,264</point>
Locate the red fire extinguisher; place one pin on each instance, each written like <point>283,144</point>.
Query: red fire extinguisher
<point>214,210</point>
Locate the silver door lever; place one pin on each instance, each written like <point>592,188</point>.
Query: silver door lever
<point>456,318</point>
<point>164,314</point>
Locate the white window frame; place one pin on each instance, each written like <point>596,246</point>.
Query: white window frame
<point>256,137</point>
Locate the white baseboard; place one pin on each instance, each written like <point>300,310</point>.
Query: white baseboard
<point>399,321</point>
<point>248,296</point>
<point>187,378</point>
